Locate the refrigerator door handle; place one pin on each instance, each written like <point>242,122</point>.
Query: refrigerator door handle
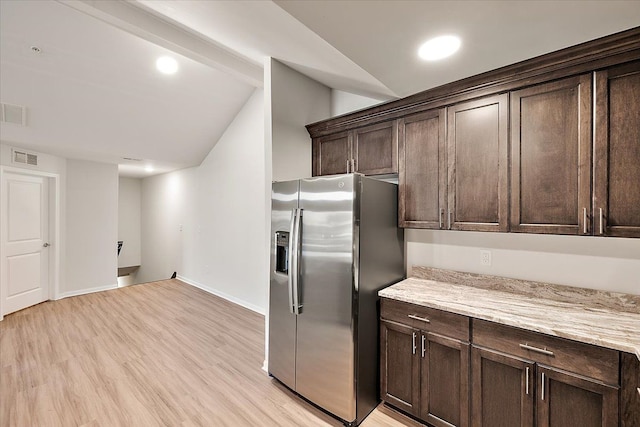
<point>297,306</point>
<point>291,259</point>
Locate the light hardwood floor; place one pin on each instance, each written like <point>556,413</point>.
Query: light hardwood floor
<point>157,354</point>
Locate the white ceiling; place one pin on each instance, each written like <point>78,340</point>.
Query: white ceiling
<point>93,92</point>
<point>383,36</point>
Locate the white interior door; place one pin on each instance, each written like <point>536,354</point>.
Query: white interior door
<point>25,232</point>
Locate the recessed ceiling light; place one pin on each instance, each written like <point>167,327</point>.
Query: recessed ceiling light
<point>148,169</point>
<point>439,47</point>
<point>167,65</point>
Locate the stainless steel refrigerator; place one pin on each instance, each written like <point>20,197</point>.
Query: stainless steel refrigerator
<point>335,243</point>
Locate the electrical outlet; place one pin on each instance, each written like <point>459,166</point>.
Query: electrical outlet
<point>485,258</point>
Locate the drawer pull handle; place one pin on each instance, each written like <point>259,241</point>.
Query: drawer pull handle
<point>422,319</point>
<point>543,384</point>
<point>424,347</point>
<point>536,349</point>
<point>527,380</point>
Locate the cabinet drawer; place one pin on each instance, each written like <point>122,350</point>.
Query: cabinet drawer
<point>426,319</point>
<point>584,359</point>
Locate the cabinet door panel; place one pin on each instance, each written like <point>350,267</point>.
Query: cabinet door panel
<point>444,396</point>
<point>567,400</point>
<point>502,390</point>
<point>617,152</point>
<point>630,393</point>
<point>551,157</point>
<point>477,165</point>
<point>422,170</point>
<point>331,154</point>
<point>399,367</point>
<point>375,149</point>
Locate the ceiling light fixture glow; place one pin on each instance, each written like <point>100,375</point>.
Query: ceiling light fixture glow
<point>439,48</point>
<point>167,65</point>
<point>148,169</point>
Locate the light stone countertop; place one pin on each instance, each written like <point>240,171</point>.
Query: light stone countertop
<point>605,319</point>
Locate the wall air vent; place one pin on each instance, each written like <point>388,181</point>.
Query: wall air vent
<point>24,158</point>
<point>131,159</point>
<point>15,114</point>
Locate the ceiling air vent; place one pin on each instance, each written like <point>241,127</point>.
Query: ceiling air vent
<point>25,158</point>
<point>15,114</point>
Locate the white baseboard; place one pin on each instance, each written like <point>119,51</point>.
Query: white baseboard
<point>86,291</point>
<point>217,293</point>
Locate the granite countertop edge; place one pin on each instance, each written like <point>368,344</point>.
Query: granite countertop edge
<point>575,321</point>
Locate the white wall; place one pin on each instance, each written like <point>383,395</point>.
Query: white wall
<point>220,206</point>
<point>294,101</point>
<point>605,263</point>
<point>92,226</point>
<point>166,200</point>
<point>346,102</point>
<point>224,249</point>
<point>129,209</point>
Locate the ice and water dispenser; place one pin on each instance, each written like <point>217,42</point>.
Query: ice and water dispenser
<point>282,252</point>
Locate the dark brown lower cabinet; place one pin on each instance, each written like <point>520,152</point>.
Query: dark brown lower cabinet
<point>444,380</point>
<point>399,367</point>
<point>502,390</point>
<point>425,374</point>
<point>506,389</point>
<point>569,400</point>
<point>629,390</point>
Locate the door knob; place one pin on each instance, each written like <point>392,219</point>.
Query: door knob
<point>46,245</point>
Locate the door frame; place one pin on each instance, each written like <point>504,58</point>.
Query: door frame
<point>54,228</point>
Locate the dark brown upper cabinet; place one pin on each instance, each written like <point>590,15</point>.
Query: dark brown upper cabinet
<point>546,145</point>
<point>551,157</point>
<point>370,150</point>
<point>375,149</point>
<point>616,185</point>
<point>331,154</point>
<point>478,165</point>
<point>422,174</point>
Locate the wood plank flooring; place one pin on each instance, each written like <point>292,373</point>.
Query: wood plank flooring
<point>157,354</point>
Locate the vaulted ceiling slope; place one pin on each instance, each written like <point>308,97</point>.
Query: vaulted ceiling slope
<point>93,92</point>
<point>383,37</point>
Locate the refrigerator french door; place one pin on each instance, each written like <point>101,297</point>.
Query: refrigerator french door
<point>324,283</point>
